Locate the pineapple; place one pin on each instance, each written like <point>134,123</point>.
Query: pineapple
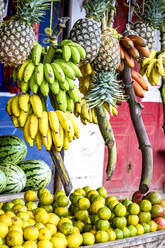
<point>152,15</point>
<point>105,88</point>
<point>108,58</point>
<point>17,35</point>
<point>1,11</point>
<point>87,31</point>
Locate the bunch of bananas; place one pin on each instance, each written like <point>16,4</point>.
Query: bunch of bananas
<point>132,47</point>
<point>153,67</point>
<point>39,126</point>
<point>85,113</point>
<point>57,77</point>
<point>84,81</point>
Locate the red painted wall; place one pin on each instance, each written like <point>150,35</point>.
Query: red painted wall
<point>126,177</point>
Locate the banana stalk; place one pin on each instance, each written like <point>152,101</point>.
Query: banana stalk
<point>144,143</point>
<point>61,172</point>
<point>162,88</point>
<point>109,139</point>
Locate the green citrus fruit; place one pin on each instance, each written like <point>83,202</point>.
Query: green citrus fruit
<point>145,205</point>
<point>119,233</point>
<point>126,232</point>
<point>102,225</point>
<point>88,238</point>
<point>119,222</point>
<point>83,203</point>
<point>146,227</point>
<point>133,208</point>
<point>153,226</point>
<point>66,228</point>
<point>144,217</point>
<point>140,229</point>
<point>62,201</point>
<point>81,215</point>
<point>133,219</point>
<point>102,191</point>
<point>132,229</point>
<point>104,213</point>
<point>101,236</point>
<point>120,210</point>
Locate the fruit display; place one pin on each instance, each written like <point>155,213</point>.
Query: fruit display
<point>86,217</point>
<point>17,174</point>
<point>150,16</point>
<point>153,67</point>
<point>17,35</point>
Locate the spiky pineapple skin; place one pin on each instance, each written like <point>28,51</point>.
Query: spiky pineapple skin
<point>16,42</point>
<point>87,33</point>
<point>1,11</point>
<point>145,31</point>
<point>108,58</point>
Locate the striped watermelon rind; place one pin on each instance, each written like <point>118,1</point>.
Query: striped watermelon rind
<point>3,181</point>
<point>12,149</point>
<point>38,173</point>
<point>15,177</point>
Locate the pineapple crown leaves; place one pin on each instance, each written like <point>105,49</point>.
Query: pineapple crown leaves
<point>31,11</point>
<point>152,12</point>
<point>96,8</point>
<point>105,87</point>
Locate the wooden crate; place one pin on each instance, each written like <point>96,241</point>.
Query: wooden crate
<point>148,240</point>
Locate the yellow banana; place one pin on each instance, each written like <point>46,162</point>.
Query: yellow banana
<point>114,111</point>
<point>70,134</point>
<point>47,141</point>
<point>15,121</point>
<point>84,112</point>
<point>43,124</point>
<point>38,140</point>
<point>53,121</point>
<point>23,101</point>
<point>27,136</point>
<point>90,115</point>
<point>36,105</point>
<point>24,86</point>
<point>61,131</point>
<point>74,123</point>
<point>160,68</point>
<point>84,121</point>
<point>94,117</point>
<point>57,141</point>
<point>88,69</point>
<point>22,118</point>
<point>8,106</point>
<point>15,106</point>
<point>22,69</point>
<point>33,126</point>
<point>150,67</point>
<point>64,120</point>
<point>155,75</point>
<point>65,141</point>
<point>78,108</point>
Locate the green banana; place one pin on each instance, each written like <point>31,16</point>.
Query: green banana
<point>75,68</point>
<point>39,73</point>
<point>49,74</point>
<point>61,96</point>
<point>66,53</point>
<point>75,94</point>
<point>70,103</point>
<point>63,105</point>
<point>36,54</point>
<point>64,85</point>
<point>24,86</point>
<point>65,42</point>
<point>44,87</point>
<point>33,85</point>
<point>75,55</point>
<point>28,72</point>
<point>55,87</point>
<point>70,82</point>
<point>66,68</point>
<point>58,72</point>
<point>80,49</point>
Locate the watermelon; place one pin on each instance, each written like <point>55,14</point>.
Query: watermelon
<point>2,181</point>
<point>15,177</point>
<point>12,149</point>
<point>38,173</point>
